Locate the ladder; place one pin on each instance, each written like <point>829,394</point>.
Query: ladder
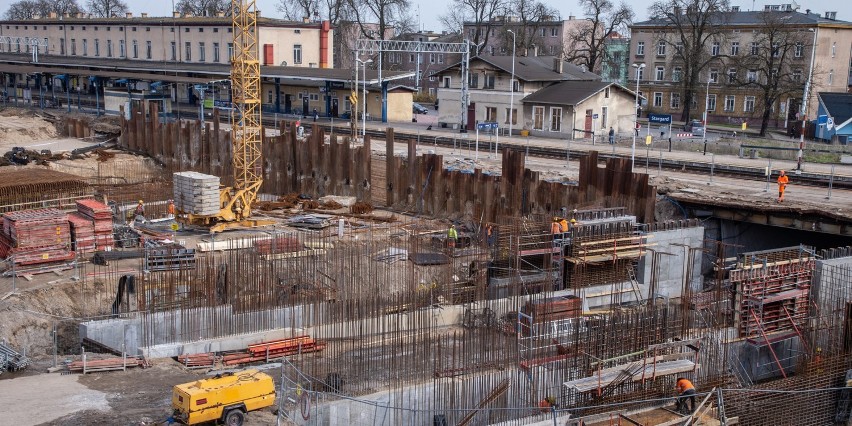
<point>634,283</point>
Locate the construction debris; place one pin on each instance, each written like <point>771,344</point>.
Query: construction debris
<point>11,360</point>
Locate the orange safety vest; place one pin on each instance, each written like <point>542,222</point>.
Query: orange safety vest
<point>684,385</point>
<point>555,228</point>
<point>782,182</point>
<point>564,224</point>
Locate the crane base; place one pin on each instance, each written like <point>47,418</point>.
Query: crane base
<point>247,223</point>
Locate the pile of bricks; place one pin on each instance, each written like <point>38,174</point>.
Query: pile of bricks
<point>100,215</point>
<point>32,237</point>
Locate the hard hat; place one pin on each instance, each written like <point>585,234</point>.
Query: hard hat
<point>140,201</point>
<point>555,219</point>
<point>573,220</point>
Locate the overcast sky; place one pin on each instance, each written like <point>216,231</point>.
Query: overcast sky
<point>431,9</point>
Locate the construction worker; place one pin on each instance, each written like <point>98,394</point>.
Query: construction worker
<point>783,180</point>
<point>556,228</point>
<point>574,224</point>
<point>547,404</point>
<point>140,209</point>
<point>563,223</point>
<point>238,209</point>
<point>171,209</point>
<point>685,390</point>
<point>452,238</point>
<point>489,235</point>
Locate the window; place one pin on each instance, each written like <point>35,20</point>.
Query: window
<point>97,47</point>
<point>677,74</point>
<point>776,50</point>
<point>714,49</point>
<point>755,48</point>
<point>606,92</point>
<point>640,48</point>
<point>679,47</point>
<point>230,51</point>
<point>797,75</point>
<point>73,47</point>
<point>554,32</point>
<point>711,103</point>
<point>552,50</point>
<point>751,76</point>
<point>714,75</point>
<point>85,47</point>
<point>735,48</point>
<point>187,51</point>
<point>269,96</point>
<point>555,119</point>
<point>489,81</point>
<point>833,49</point>
<point>830,77</point>
<point>473,80</point>
<point>799,50</point>
<point>216,57</point>
<point>201,30</point>
<point>660,73</point>
<point>135,49</point>
<point>604,116</point>
<point>658,99</point>
<point>661,48</point>
<point>732,75</point>
<point>62,46</point>
<point>314,96</point>
<point>729,103</point>
<point>748,106</point>
<point>431,58</point>
<point>514,114</point>
<point>447,81</point>
<point>122,49</point>
<point>441,58</point>
<point>149,51</point>
<point>491,114</point>
<point>541,32</point>
<point>109,48</point>
<point>432,78</point>
<point>640,73</point>
<point>411,58</point>
<point>202,54</point>
<point>297,53</point>
<point>174,50</point>
<point>675,104</point>
<point>538,118</point>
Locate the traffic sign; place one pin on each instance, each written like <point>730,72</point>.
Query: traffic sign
<point>660,118</point>
<point>487,126</point>
<point>829,123</point>
<point>353,98</point>
<point>595,116</point>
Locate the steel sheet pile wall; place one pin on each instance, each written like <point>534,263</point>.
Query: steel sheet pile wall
<point>414,183</point>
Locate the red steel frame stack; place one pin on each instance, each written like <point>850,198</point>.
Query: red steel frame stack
<point>101,215</point>
<point>32,237</point>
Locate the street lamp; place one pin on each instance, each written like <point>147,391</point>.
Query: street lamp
<point>364,96</point>
<point>706,107</point>
<point>512,84</point>
<point>805,105</point>
<point>636,115</point>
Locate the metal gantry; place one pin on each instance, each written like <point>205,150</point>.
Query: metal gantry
<point>373,47</point>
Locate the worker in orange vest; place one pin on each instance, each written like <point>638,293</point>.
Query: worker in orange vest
<point>556,228</point>
<point>171,209</point>
<point>563,223</point>
<point>783,180</point>
<point>685,390</point>
<point>547,404</point>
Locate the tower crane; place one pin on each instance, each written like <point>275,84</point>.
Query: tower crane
<point>246,133</point>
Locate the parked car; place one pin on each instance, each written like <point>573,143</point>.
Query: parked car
<point>419,109</point>
<point>695,126</point>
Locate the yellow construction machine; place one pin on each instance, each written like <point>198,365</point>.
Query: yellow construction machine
<point>226,398</point>
<point>246,134</point>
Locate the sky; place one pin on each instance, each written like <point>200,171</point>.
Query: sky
<point>430,10</point>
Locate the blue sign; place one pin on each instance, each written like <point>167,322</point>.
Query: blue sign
<point>223,104</point>
<point>487,126</point>
<point>594,116</point>
<point>822,119</point>
<point>660,118</point>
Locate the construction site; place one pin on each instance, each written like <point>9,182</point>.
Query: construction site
<point>384,281</point>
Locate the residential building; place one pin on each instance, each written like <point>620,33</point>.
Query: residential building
<point>551,37</point>
<point>834,117</point>
<point>572,108</point>
<point>732,103</point>
<point>179,39</point>
<point>492,92</point>
<point>615,64</point>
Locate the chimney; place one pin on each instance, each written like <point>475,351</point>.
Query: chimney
<point>220,14</point>
<point>81,15</point>
<point>36,16</point>
<point>831,15</point>
<point>557,65</point>
<point>570,17</point>
<point>128,15</point>
<point>807,11</point>
<point>53,15</point>
<point>256,14</point>
<point>306,19</point>
<point>144,15</point>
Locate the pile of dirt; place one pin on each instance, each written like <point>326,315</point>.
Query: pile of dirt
<point>361,208</point>
<point>19,127</point>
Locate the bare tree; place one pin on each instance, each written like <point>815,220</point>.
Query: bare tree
<point>692,26</point>
<point>24,9</point>
<point>770,69</point>
<point>389,16</point>
<point>531,15</point>
<point>107,8</point>
<point>334,11</point>
<point>478,13</point>
<point>296,10</point>
<point>587,43</point>
<point>202,7</point>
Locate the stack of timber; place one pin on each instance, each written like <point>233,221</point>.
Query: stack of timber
<point>207,360</point>
<point>101,216</point>
<point>33,237</point>
<point>196,193</point>
<point>92,365</point>
<point>266,351</point>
